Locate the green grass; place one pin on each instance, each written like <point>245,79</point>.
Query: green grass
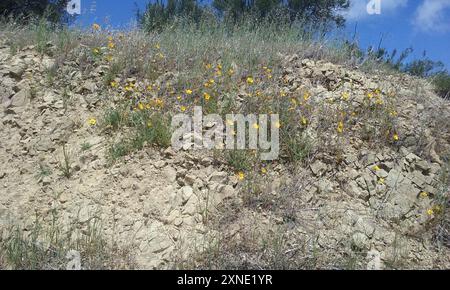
<point>46,248</point>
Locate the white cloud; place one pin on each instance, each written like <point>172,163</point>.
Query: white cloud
<point>430,16</point>
<point>358,8</point>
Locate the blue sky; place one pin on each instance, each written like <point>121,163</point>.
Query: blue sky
<point>421,24</point>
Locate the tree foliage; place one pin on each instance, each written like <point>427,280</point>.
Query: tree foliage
<point>25,10</point>
<point>319,12</point>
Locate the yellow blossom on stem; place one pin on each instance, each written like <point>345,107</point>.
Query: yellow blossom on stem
<point>183,109</point>
<point>304,121</point>
<point>306,96</point>
<point>430,212</point>
<point>188,92</point>
<point>263,170</point>
<point>340,127</point>
<point>395,137</point>
<point>114,84</point>
<point>95,26</point>
<point>92,121</point>
<point>241,176</point>
<point>424,194</point>
<point>376,168</point>
<point>250,80</point>
<point>345,96</point>
<point>207,96</point>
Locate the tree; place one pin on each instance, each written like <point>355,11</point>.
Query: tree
<point>320,12</point>
<point>159,14</point>
<point>24,10</point>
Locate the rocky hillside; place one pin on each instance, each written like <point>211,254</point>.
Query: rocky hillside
<point>362,181</point>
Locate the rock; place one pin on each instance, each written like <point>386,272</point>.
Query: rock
<point>374,260</point>
<point>411,158</point>
<point>325,186</point>
<point>170,173</point>
<point>88,87</point>
<point>186,193</point>
<point>17,70</point>
<point>318,167</point>
<point>219,177</point>
<point>159,244</point>
<point>20,100</point>
<point>46,180</point>
<point>74,258</point>
<point>160,164</point>
<point>360,241</point>
<point>190,179</point>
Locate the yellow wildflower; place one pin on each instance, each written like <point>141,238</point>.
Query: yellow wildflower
<point>114,84</point>
<point>306,96</point>
<point>376,168</point>
<point>188,92</point>
<point>230,72</point>
<point>208,66</point>
<point>149,124</point>
<point>96,51</point>
<point>241,176</point>
<point>304,121</point>
<point>424,194</point>
<point>95,26</point>
<point>369,95</point>
<point>263,170</point>
<point>381,181</point>
<point>157,46</point>
<point>141,106</point>
<point>219,66</point>
<point>250,81</point>
<point>256,126</point>
<point>111,45</point>
<point>183,109</point>
<point>430,211</point>
<point>340,127</point>
<point>211,81</point>
<point>92,121</point>
<point>207,96</point>
<point>345,96</point>
<point>395,137</point>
